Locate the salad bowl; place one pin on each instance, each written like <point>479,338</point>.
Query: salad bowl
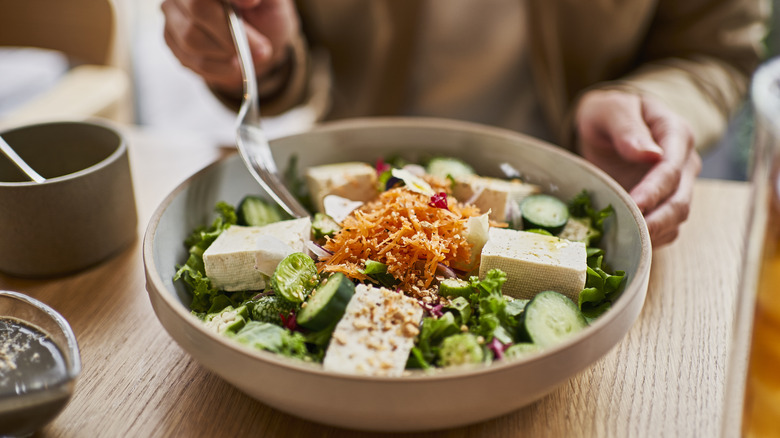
<point>417,400</point>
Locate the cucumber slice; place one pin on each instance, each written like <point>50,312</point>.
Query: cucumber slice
<point>227,320</point>
<point>455,287</point>
<point>295,277</point>
<point>327,303</point>
<point>544,211</point>
<point>378,271</point>
<point>520,350</point>
<point>550,318</point>
<point>323,225</point>
<point>580,229</point>
<point>256,212</point>
<point>374,267</point>
<point>539,231</point>
<point>462,306</point>
<point>444,167</point>
<point>461,349</point>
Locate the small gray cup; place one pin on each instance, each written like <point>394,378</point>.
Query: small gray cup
<point>85,210</point>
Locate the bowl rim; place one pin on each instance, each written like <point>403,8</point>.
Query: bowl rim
<point>155,284</point>
<point>103,125</point>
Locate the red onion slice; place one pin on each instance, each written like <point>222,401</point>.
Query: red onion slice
<point>319,252</point>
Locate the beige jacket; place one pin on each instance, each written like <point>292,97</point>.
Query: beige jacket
<point>694,55</point>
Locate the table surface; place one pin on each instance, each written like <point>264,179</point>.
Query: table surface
<point>665,378</point>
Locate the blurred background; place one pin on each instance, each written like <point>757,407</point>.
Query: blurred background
<point>160,94</point>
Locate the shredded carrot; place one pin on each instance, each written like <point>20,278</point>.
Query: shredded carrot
<point>402,230</point>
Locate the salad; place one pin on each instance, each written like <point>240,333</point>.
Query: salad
<point>403,266</point>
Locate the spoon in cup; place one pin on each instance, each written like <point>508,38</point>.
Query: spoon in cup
<point>19,162</point>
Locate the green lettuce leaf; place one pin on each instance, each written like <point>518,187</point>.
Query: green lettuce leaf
<point>432,333</point>
<point>193,272</point>
<point>515,307</point>
<point>271,337</point>
<point>493,319</point>
<point>581,206</point>
<point>601,287</point>
<point>486,313</point>
<point>460,307</point>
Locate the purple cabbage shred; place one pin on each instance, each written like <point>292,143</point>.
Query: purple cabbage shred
<point>498,348</point>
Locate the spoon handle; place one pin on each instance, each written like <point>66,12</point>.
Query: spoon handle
<point>19,162</point>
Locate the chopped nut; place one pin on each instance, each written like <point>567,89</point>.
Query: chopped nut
<point>410,330</point>
<point>375,345</point>
<point>398,317</point>
<point>361,324</point>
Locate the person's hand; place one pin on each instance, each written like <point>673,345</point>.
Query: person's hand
<point>647,148</point>
<point>198,35</point>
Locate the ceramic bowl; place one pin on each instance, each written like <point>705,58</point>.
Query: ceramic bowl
<point>418,401</point>
<point>85,210</point>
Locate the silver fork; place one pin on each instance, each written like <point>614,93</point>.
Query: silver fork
<point>251,140</point>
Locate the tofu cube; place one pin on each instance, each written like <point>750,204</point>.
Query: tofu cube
<point>376,333</point>
<point>231,262</point>
<point>534,263</point>
<point>271,251</point>
<point>352,180</point>
<point>492,194</point>
<point>476,234</point>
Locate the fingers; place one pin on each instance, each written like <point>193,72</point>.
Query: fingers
<point>631,137</point>
<point>616,120</point>
<point>622,134</point>
<point>222,73</point>
<point>189,41</point>
<point>197,33</point>
<point>648,149</point>
<point>245,4</point>
<point>663,222</point>
<point>663,179</point>
<point>194,23</point>
<point>665,193</point>
<point>665,239</point>
<point>273,25</point>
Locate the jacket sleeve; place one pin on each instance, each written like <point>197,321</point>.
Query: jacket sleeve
<point>698,59</point>
<point>281,89</point>
<point>287,87</point>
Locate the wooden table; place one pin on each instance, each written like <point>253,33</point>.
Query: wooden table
<point>666,378</point>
